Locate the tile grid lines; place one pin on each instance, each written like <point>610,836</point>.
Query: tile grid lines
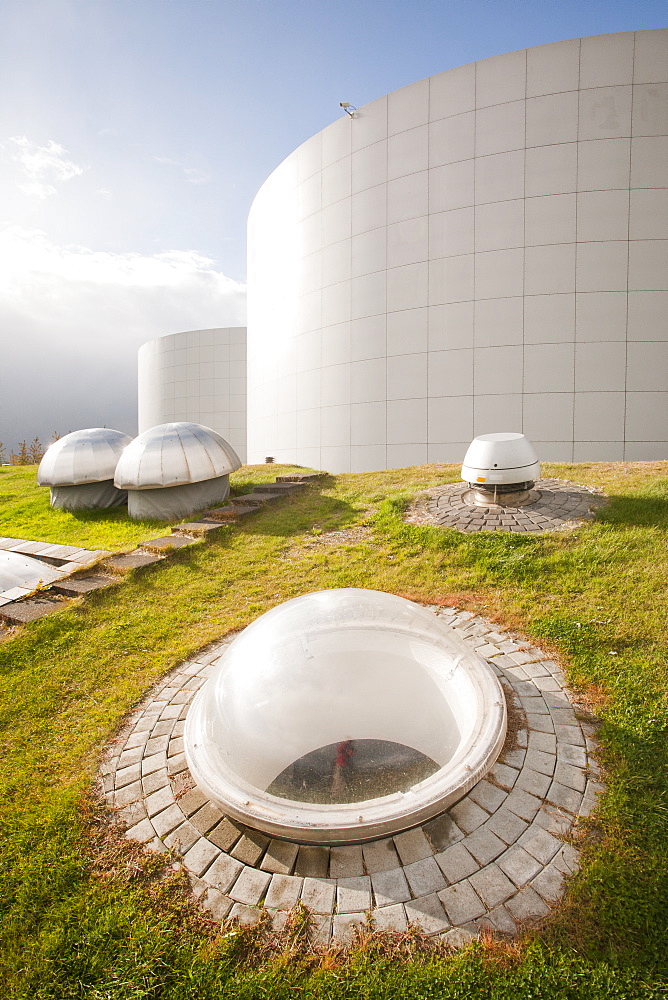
<point>492,865</point>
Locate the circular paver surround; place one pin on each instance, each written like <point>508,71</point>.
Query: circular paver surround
<point>559,504</point>
<point>494,860</point>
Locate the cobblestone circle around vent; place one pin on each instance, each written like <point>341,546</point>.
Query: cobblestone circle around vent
<point>560,505</point>
<point>495,860</point>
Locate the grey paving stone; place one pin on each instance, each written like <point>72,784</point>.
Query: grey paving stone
<point>155,762</point>
<point>442,832</point>
<point>468,816</point>
<point>567,859</point>
<point>554,821</point>
<point>492,885</point>
<point>223,873</point>
<point>503,775</point>
<point>547,684</point>
<point>159,800</point>
<point>346,927</point>
<point>127,794</point>
<point>217,904</point>
<point>131,560</point>
<point>182,838</point>
<point>167,820</point>
<point>353,895</point>
<point>569,754</point>
<point>390,887</point>
<point>346,862</point>
<point>412,846</point>
<point>539,843</point>
<point>456,863</point>
<point>390,918</point>
<point>318,894</point>
<point>206,817</point>
<point>24,612</point>
<point>507,825</point>
<point>284,892</point>
<point>312,862</point>
<point>519,865</point>
<point>250,847</point>
<point>541,723</point>
<point>533,781</point>
<point>461,903</point>
<point>523,804</point>
<point>427,913</point>
<point>132,755</point>
<point>514,758</point>
<point>320,926</point>
<point>527,905</point>
<point>165,543</point>
<point>200,856</point>
<point>225,833</point>
<point>498,921</point>
<point>191,801</point>
<point>563,797</point>
<point>487,795</point>
<point>126,775</point>
<point>76,587</point>
<point>484,845</point>
<point>458,937</point>
<point>280,857</point>
<point>535,704</point>
<point>424,877</point>
<point>250,886</point>
<point>549,884</point>
<point>590,798</point>
<point>155,780</point>
<point>544,742</point>
<point>142,832</point>
<point>245,915</point>
<point>132,813</point>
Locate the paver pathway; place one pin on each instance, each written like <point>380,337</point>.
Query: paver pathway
<point>494,860</point>
<point>558,504</point>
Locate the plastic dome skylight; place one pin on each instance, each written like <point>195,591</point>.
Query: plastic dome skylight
<point>85,456</point>
<point>344,715</point>
<point>175,454</point>
<point>17,570</point>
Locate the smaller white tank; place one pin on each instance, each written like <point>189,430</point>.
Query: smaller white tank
<point>503,459</point>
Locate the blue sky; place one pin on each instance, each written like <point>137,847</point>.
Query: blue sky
<point>135,133</point>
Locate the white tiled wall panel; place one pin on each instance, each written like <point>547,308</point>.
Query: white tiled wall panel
<point>486,249</point>
<point>200,376</point>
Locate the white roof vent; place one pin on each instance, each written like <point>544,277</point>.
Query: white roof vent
<point>86,456</point>
<point>175,454</point>
<point>500,460</point>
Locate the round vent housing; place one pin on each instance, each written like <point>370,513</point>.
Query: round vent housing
<point>502,465</point>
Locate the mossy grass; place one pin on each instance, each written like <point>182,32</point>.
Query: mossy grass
<point>85,916</point>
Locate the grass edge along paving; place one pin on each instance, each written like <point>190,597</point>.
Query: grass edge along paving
<point>72,930</point>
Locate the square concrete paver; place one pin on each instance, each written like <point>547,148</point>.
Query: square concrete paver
<point>519,865</point>
<point>346,862</point>
<point>250,886</point>
<point>380,856</point>
<point>223,873</point>
<point>492,886</point>
<point>353,895</point>
<point>284,892</point>
<point>456,863</point>
<point>424,877</point>
<point>318,895</point>
<point>427,913</point>
<point>390,887</point>
<point>461,903</point>
<point>390,918</point>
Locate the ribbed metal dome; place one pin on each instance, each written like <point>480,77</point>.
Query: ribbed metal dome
<point>85,456</point>
<point>175,454</point>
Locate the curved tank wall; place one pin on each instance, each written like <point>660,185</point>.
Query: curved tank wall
<point>483,250</point>
<point>197,376</point>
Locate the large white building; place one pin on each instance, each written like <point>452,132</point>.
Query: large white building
<point>197,376</point>
<point>486,249</point>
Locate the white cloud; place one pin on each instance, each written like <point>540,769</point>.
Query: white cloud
<point>72,319</point>
<point>192,175</point>
<point>44,166</point>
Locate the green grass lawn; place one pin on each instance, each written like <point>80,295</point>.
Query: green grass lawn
<point>81,917</point>
<point>25,511</point>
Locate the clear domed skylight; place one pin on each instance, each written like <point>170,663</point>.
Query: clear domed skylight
<point>344,715</point>
<point>17,570</point>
